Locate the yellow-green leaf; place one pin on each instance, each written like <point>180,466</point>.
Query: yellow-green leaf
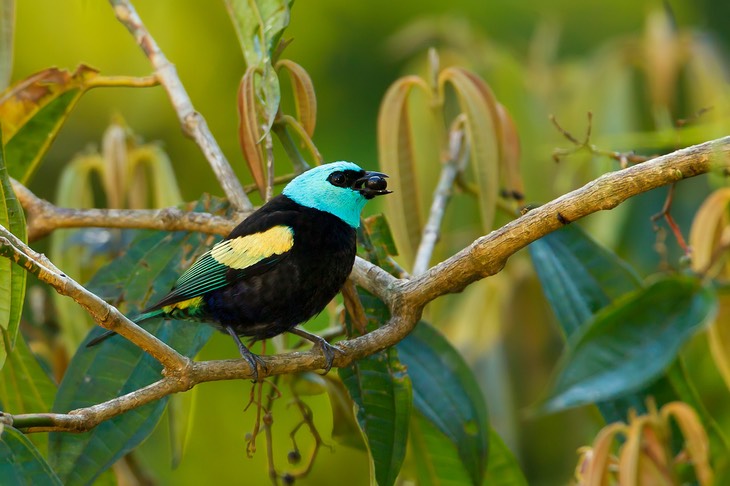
<point>12,277</point>
<point>477,102</point>
<point>397,159</point>
<point>32,112</point>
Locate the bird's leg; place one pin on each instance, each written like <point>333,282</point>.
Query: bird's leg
<point>253,359</point>
<point>327,349</point>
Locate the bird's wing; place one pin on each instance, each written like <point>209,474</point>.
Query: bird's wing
<point>231,260</point>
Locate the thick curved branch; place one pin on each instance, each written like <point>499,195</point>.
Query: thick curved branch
<point>405,298</point>
<point>488,254</point>
<point>193,123</point>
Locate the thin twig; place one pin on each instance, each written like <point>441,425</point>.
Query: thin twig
<point>458,156</point>
<point>624,158</point>
<point>193,123</point>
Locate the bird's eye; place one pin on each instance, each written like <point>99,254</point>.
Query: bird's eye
<point>338,179</point>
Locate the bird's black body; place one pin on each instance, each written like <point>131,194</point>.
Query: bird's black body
<point>301,283</point>
<point>281,265</point>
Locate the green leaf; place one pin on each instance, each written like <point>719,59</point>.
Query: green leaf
<point>259,25</point>
<point>435,456</point>
<point>629,343</point>
<point>477,102</point>
<point>503,469</point>
<point>12,277</point>
<point>115,367</point>
<point>25,387</point>
<point>20,461</point>
<point>7,31</point>
<point>446,394</point>
<point>32,113</point>
<point>381,390</point>
<point>180,413</point>
<point>579,276</point>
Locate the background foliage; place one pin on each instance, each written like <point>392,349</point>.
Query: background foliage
<point>626,62</point>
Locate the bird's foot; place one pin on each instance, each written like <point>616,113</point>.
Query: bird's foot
<point>254,360</point>
<point>327,349</point>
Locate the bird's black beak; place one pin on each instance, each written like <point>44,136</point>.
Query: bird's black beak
<point>372,184</point>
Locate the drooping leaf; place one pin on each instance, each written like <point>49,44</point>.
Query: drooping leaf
<point>705,238</point>
<point>345,428</point>
<point>249,130</point>
<point>477,102</point>
<point>25,387</point>
<point>7,32</point>
<point>71,249</point>
<point>21,463</point>
<point>396,155</point>
<point>115,367</point>
<point>32,112</point>
<point>629,343</point>
<point>447,395</point>
<point>305,99</point>
<point>510,154</point>
<point>381,390</point>
<point>12,277</point>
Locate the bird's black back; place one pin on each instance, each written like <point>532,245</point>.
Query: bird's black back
<point>293,289</point>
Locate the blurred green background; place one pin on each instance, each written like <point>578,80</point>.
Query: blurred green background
<point>564,57</point>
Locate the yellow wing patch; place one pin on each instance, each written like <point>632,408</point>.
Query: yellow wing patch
<point>195,301</point>
<point>244,251</point>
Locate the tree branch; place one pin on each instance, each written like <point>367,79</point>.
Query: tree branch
<point>405,298</point>
<point>44,217</point>
<point>193,123</point>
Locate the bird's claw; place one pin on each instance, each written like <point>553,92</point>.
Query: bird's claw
<point>254,360</point>
<point>329,353</point>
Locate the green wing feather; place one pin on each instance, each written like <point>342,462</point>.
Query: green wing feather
<point>229,261</point>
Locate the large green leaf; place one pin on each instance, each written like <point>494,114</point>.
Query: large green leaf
<point>25,387</point>
<point>447,395</point>
<point>381,390</point>
<point>12,277</point>
<point>579,276</point>
<point>116,367</point>
<point>629,343</point>
<point>20,461</point>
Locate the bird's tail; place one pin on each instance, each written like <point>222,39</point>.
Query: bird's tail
<point>137,319</point>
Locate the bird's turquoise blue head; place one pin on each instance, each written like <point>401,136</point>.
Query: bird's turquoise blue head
<point>339,188</point>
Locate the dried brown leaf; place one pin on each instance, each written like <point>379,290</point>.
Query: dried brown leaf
<point>305,99</point>
<point>249,130</point>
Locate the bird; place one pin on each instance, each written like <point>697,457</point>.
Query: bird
<point>280,266</point>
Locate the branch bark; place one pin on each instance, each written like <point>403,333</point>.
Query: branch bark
<point>406,298</point>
